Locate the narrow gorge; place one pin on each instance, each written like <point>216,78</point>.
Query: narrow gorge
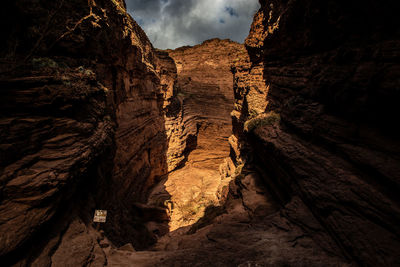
<point>282,151</point>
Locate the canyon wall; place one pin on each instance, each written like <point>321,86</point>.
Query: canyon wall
<point>205,86</point>
<point>198,125</point>
<point>315,111</point>
<point>93,117</point>
<point>82,127</point>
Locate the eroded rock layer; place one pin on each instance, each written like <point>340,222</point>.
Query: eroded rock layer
<point>198,125</point>
<point>82,127</point>
<point>205,86</point>
<point>314,113</point>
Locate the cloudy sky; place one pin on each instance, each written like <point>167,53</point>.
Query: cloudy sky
<point>175,23</point>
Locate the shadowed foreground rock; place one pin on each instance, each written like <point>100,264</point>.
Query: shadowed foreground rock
<point>81,122</point>
<point>332,76</point>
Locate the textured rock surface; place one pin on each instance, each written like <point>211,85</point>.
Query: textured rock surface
<point>205,86</point>
<point>247,230</point>
<point>180,131</point>
<point>82,127</point>
<point>331,74</point>
<point>230,217</point>
<point>198,125</point>
<point>50,149</point>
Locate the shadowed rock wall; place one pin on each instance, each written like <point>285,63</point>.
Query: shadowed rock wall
<point>82,127</point>
<point>330,71</point>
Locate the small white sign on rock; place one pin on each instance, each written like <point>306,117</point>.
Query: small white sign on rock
<point>100,216</point>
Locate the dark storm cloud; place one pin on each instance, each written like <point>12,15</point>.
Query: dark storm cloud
<point>231,11</point>
<point>174,23</point>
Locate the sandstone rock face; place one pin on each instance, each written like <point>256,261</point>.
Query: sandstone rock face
<point>82,127</point>
<point>181,134</point>
<point>198,125</point>
<point>50,149</point>
<point>330,75</point>
<point>204,85</point>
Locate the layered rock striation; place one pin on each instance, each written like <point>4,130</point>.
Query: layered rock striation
<point>82,127</point>
<point>314,113</point>
<point>198,125</point>
<point>204,84</point>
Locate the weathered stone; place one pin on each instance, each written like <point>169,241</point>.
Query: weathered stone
<point>198,125</point>
<point>82,122</point>
<point>325,73</point>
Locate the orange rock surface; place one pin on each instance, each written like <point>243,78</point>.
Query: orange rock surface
<point>200,130</point>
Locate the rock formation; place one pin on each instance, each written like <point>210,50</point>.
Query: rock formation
<point>205,85</point>
<point>198,125</point>
<point>314,113</point>
<point>93,117</point>
<point>82,128</point>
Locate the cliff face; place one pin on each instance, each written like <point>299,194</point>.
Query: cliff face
<point>205,86</point>
<point>82,127</point>
<point>93,118</point>
<point>315,106</point>
<point>198,103</point>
